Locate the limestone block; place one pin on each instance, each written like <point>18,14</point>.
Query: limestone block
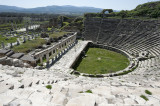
<point>27,82</point>
<point>129,101</point>
<point>104,104</point>
<point>100,100</point>
<point>40,98</point>
<point>75,88</point>
<point>56,88</point>
<point>102,90</point>
<point>21,102</point>
<point>59,98</point>
<point>153,101</point>
<point>139,100</point>
<point>118,101</point>
<point>118,90</point>
<point>6,99</point>
<point>4,87</point>
<point>86,100</point>
<point>1,104</point>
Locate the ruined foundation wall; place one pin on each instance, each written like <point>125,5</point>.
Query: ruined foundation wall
<point>127,34</point>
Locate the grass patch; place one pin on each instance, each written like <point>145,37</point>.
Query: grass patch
<point>49,29</point>
<point>65,24</point>
<point>7,40</point>
<point>126,72</point>
<point>88,91</point>
<point>8,26</point>
<point>57,34</point>
<point>102,61</point>
<point>49,86</point>
<point>81,92</point>
<point>148,92</point>
<point>29,45</point>
<point>144,97</point>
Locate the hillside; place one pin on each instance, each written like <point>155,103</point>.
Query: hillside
<point>51,9</point>
<point>147,10</point>
<point>151,9</point>
<point>4,8</point>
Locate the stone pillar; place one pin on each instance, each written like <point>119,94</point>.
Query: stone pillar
<point>47,64</point>
<point>41,60</point>
<point>11,45</point>
<point>61,49</point>
<point>47,57</point>
<point>52,52</point>
<point>2,44</point>
<point>57,51</point>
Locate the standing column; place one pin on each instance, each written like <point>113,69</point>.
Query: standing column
<point>41,60</point>
<point>57,51</point>
<point>63,47</point>
<point>47,57</point>
<point>51,52</point>
<point>2,44</point>
<point>11,45</point>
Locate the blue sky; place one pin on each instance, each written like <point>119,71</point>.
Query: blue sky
<point>113,4</point>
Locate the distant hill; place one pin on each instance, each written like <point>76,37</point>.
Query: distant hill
<point>144,11</point>
<point>4,8</point>
<point>151,9</point>
<point>51,9</point>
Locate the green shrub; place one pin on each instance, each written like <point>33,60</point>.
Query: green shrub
<point>147,10</point>
<point>29,45</point>
<point>148,92</point>
<point>49,86</point>
<point>88,91</point>
<point>144,97</point>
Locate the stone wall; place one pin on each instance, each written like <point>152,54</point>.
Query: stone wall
<point>109,48</point>
<point>132,35</point>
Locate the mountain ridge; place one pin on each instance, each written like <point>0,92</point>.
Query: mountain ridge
<point>54,9</point>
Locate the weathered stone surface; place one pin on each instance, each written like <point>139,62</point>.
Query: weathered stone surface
<point>129,101</point>
<point>21,102</point>
<point>5,100</point>
<point>87,100</point>
<point>40,99</point>
<point>59,98</point>
<point>70,90</point>
<point>104,91</point>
